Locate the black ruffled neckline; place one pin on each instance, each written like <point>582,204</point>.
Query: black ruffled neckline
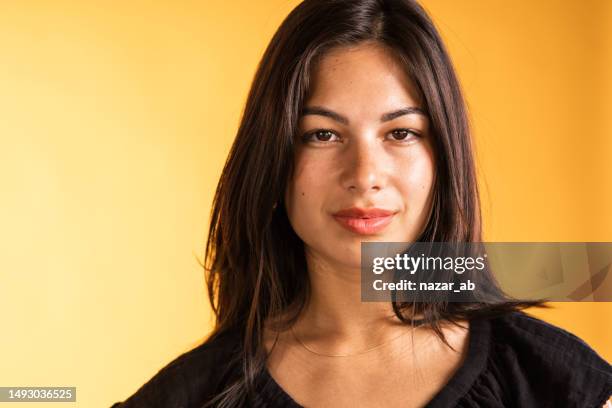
<point>459,384</point>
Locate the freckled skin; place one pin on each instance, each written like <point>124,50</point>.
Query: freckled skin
<point>363,166</point>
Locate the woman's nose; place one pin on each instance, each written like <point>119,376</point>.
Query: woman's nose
<point>363,167</point>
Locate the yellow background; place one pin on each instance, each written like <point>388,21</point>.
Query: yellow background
<point>115,120</point>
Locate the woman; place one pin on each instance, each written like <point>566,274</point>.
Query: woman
<point>355,130</point>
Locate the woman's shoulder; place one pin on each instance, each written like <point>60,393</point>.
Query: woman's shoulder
<point>531,362</point>
<point>520,332</point>
<point>191,377</point>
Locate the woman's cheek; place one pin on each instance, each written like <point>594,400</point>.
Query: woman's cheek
<point>415,187</point>
<point>419,173</point>
<point>304,200</point>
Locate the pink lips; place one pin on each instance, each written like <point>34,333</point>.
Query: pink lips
<point>364,221</point>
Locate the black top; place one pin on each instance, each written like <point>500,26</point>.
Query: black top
<point>514,360</point>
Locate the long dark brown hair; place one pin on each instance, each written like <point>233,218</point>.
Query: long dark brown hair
<point>254,262</point>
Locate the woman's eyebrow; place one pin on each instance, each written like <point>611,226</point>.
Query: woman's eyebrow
<point>318,110</point>
<point>410,110</point>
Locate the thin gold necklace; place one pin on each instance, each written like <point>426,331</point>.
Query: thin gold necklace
<point>352,354</point>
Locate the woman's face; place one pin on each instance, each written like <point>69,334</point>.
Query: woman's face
<point>364,166</point>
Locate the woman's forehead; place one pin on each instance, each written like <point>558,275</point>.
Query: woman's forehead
<point>359,76</point>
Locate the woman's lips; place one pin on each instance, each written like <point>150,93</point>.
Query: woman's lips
<point>364,226</point>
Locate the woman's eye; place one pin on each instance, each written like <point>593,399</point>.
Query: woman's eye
<point>403,134</point>
<point>319,136</point>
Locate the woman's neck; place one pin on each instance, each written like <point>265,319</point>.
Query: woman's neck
<point>336,318</point>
